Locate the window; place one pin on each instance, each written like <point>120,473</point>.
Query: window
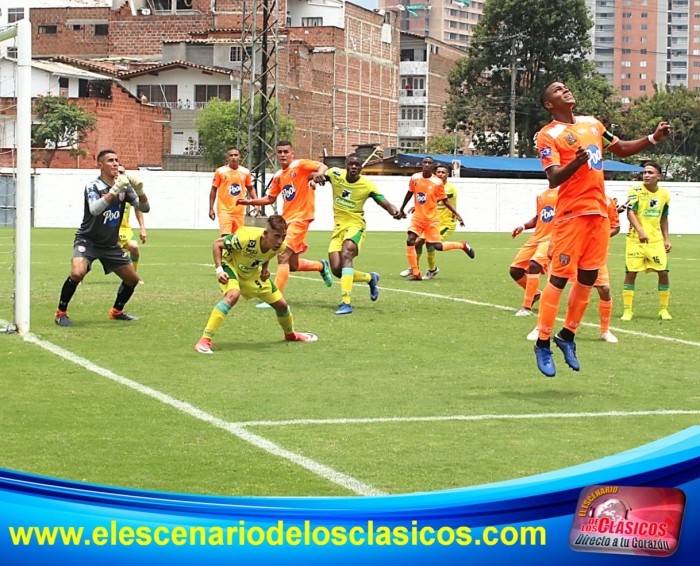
<point>415,114</point>
<point>77,27</point>
<point>162,95</point>
<point>626,39</point>
<point>696,77</point>
<point>407,55</point>
<point>642,63</point>
<point>624,76</point>
<point>604,51</point>
<point>625,100</point>
<point>625,27</point>
<point>63,86</point>
<point>625,87</point>
<point>644,27</point>
<point>626,51</point>
<point>14,15</point>
<point>12,52</point>
<point>608,28</point>
<point>311,22</point>
<point>645,15</point>
<point>48,30</point>
<point>236,54</point>
<point>626,15</point>
<point>643,51</point>
<point>696,51</point>
<point>101,29</point>
<point>627,63</point>
<point>696,63</point>
<point>204,93</point>
<point>678,64</point>
<point>643,39</point>
<point>642,75</point>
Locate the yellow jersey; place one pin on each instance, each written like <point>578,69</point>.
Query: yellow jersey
<point>242,252</point>
<point>649,208</point>
<point>349,198</point>
<point>447,219</point>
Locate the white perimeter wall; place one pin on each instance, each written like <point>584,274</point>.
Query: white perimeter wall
<point>180,199</point>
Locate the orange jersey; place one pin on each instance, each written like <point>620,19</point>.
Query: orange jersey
<point>426,194</point>
<point>584,192</point>
<point>546,207</point>
<point>612,213</point>
<point>230,184</point>
<point>293,183</point>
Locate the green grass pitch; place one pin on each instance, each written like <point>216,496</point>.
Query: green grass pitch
<point>416,352</point>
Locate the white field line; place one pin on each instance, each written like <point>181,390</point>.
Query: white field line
<point>325,472</point>
<point>511,309</point>
<point>488,417</point>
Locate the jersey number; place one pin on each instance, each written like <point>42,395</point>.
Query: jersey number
<point>258,284</point>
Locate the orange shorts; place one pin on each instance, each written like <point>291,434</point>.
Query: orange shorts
<point>535,251</point>
<point>429,231</point>
<point>228,223</point>
<point>296,234</point>
<point>580,243</point>
<point>602,280</point>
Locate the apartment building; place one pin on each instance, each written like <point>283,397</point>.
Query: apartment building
<point>450,21</point>
<point>640,42</point>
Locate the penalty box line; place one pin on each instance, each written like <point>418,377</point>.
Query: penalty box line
<point>327,473</point>
<point>511,309</point>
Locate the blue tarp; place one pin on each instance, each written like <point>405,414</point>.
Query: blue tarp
<point>511,164</point>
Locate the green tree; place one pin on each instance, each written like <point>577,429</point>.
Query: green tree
<point>61,124</point>
<point>681,107</point>
<point>218,129</point>
<point>446,144</point>
<point>545,41</point>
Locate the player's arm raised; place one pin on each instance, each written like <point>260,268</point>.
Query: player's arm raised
<point>319,176</point>
<point>527,226</point>
<point>632,147</point>
<point>217,251</point>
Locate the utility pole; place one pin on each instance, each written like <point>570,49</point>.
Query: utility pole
<point>513,72</point>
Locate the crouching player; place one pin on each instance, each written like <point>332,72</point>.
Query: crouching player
<point>242,261</point>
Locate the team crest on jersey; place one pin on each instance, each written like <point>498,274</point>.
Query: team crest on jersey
<point>81,249</point>
<point>421,198</point>
<point>234,189</point>
<point>346,193</point>
<point>251,243</point>
<point>337,172</point>
<point>256,263</point>
<point>122,196</point>
<point>594,130</point>
<point>653,203</point>
<point>564,259</point>
<point>293,174</point>
<point>570,139</point>
<point>288,192</point>
<point>546,152</point>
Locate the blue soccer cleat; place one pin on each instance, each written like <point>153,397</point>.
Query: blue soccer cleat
<point>568,348</point>
<point>344,308</point>
<point>326,273</point>
<point>374,286</point>
<point>545,362</point>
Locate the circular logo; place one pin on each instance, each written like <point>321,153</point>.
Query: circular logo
<point>546,214</point>
<point>289,192</point>
<point>421,198</point>
<point>234,190</point>
<point>595,157</point>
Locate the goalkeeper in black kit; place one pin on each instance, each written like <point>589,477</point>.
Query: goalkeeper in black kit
<point>98,236</point>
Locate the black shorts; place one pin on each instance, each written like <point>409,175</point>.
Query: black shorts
<point>111,258</point>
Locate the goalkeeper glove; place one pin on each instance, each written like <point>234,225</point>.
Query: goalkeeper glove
<point>120,185</point>
<point>136,183</point>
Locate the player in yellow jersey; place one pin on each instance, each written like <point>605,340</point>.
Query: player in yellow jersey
<point>242,269</point>
<point>647,240</point>
<point>127,239</point>
<point>448,224</point>
<point>350,192</point>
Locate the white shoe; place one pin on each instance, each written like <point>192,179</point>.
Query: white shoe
<point>431,273</point>
<point>523,312</point>
<point>406,272</point>
<point>534,335</point>
<point>608,336</point>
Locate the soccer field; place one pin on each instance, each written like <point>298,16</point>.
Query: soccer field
<point>432,387</point>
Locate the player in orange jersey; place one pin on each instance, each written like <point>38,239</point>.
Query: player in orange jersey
<point>571,150</point>
<point>532,258</point>
<point>427,191</point>
<point>226,190</point>
<point>295,182</point>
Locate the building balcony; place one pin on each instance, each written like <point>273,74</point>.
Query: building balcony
<point>415,98</point>
<point>411,128</point>
<point>414,68</point>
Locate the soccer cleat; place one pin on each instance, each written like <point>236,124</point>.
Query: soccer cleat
<point>665,315</point>
<point>344,308</point>
<point>523,312</point>
<point>534,334</point>
<point>627,315</point>
<point>301,337</point>
<point>121,315</point>
<point>61,318</point>
<point>141,282</point>
<point>416,277</point>
<point>545,362</point>
<point>536,298</point>
<point>326,273</point>
<point>204,346</point>
<point>468,249</point>
<point>373,286</point>
<point>406,272</point>
<point>262,306</point>
<point>608,336</point>
<point>568,348</point>
<point>431,273</point>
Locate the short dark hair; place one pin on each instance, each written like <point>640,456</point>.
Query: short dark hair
<point>284,143</point>
<point>655,165</point>
<point>442,166</point>
<point>354,156</point>
<point>277,223</point>
<point>104,152</point>
<point>543,94</point>
<point>426,158</point>
<point>230,149</point>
